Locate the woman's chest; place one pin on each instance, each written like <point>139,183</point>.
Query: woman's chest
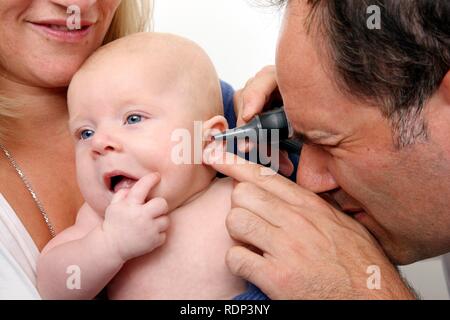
<point>55,188</point>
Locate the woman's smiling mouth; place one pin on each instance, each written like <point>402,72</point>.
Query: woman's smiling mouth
<point>58,30</point>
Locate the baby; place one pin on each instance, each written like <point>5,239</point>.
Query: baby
<point>124,105</point>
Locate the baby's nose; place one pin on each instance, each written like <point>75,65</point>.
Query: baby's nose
<point>102,144</point>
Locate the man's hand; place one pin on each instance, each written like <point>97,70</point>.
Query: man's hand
<point>133,226</point>
<point>251,100</point>
<point>308,249</point>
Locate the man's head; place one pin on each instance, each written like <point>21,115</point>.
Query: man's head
<point>374,106</point>
<point>125,104</point>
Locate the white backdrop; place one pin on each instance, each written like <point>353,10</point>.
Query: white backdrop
<point>239,35</point>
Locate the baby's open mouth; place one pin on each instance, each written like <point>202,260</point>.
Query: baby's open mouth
<point>116,181</point>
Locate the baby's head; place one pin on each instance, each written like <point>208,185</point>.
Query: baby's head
<point>124,105</point>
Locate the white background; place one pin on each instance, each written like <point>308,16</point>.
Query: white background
<point>240,37</point>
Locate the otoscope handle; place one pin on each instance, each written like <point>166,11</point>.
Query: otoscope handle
<point>261,127</point>
<point>276,120</point>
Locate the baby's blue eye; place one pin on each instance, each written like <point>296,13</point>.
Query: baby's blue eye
<point>86,134</point>
<point>134,118</point>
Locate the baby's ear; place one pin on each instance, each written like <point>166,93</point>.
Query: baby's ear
<point>213,126</point>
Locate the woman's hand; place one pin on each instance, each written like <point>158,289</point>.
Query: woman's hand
<point>258,93</point>
<point>307,249</point>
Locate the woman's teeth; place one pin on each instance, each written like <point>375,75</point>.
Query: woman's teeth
<point>63,28</point>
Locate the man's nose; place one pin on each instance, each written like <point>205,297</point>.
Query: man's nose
<point>102,144</point>
<point>84,5</point>
<point>313,173</point>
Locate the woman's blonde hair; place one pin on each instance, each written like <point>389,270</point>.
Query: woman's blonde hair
<point>132,16</point>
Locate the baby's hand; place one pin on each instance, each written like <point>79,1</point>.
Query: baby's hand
<point>132,226</point>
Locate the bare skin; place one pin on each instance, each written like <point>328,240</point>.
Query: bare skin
<point>123,233</point>
<point>47,163</point>
<point>190,265</point>
<point>36,84</point>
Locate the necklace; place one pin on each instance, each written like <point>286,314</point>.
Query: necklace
<point>30,189</point>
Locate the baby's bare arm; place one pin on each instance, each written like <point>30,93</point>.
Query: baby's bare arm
<point>83,250</point>
<point>97,248</point>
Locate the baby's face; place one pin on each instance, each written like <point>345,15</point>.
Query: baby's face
<point>122,119</point>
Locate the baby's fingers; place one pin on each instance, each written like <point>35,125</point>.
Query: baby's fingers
<point>156,207</point>
<point>139,192</point>
<point>162,223</point>
<point>161,239</point>
<point>119,196</point>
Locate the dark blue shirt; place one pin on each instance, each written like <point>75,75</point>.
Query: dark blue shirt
<point>228,104</point>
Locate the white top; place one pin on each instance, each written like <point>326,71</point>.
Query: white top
<point>18,257</point>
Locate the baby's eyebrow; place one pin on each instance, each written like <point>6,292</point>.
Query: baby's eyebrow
<point>72,122</point>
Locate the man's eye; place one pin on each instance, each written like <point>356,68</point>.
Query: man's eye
<point>86,134</point>
<point>134,118</point>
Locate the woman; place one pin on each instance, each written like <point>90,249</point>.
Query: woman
<point>37,61</point>
<point>39,195</point>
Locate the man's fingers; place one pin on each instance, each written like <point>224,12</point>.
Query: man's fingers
<point>275,212</point>
<point>256,94</point>
<point>286,165</point>
<point>249,228</point>
<point>244,171</point>
<point>251,266</point>
<point>139,192</point>
<point>267,206</point>
<point>245,146</point>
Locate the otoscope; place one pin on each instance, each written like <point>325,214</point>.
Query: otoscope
<point>262,126</point>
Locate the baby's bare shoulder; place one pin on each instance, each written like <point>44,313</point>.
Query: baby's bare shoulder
<point>219,193</point>
<point>87,219</point>
<point>222,185</point>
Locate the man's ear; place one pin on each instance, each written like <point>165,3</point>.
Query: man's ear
<point>444,88</point>
<point>215,125</point>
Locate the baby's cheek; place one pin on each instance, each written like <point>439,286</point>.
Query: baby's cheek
<point>92,192</point>
<point>83,175</point>
<point>179,178</point>
<point>97,198</point>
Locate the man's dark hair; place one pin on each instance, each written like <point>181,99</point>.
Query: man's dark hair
<point>399,66</point>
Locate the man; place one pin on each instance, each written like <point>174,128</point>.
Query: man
<point>373,108</point>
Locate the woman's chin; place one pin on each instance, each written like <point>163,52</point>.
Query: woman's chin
<point>53,77</point>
